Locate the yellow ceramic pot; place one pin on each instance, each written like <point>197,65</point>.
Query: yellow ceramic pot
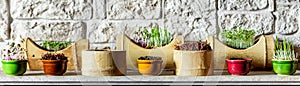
<point>149,67</point>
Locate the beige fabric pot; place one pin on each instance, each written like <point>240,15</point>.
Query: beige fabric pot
<point>193,63</point>
<point>103,63</point>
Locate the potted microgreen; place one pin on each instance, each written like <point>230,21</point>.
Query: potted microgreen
<point>14,61</point>
<point>193,59</point>
<point>153,41</point>
<point>150,65</point>
<point>54,63</point>
<point>238,39</point>
<point>285,60</point>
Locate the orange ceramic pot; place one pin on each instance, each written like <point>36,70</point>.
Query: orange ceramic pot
<point>55,67</point>
<point>149,67</point>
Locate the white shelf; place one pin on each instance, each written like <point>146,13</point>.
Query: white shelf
<point>221,77</point>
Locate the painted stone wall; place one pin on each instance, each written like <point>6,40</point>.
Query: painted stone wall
<point>101,21</point>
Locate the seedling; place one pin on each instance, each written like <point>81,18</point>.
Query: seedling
<point>239,38</point>
<point>54,46</point>
<point>13,51</point>
<point>154,38</point>
<point>284,50</point>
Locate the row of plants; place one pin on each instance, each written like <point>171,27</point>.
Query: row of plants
<point>284,62</point>
<point>15,63</point>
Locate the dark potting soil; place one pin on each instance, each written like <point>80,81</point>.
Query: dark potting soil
<point>149,58</point>
<point>194,46</point>
<point>236,59</point>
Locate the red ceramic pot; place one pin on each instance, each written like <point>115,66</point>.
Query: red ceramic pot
<point>238,66</point>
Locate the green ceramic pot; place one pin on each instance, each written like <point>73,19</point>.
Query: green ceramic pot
<point>285,67</point>
<point>14,67</point>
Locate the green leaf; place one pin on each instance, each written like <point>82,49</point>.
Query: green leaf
<point>276,44</point>
<point>284,45</point>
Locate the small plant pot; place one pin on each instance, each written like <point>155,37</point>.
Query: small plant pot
<point>103,63</point>
<point>284,67</point>
<point>149,67</point>
<point>238,66</point>
<point>14,67</point>
<point>55,67</point>
<point>193,63</point>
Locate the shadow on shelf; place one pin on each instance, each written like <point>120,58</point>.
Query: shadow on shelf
<point>41,73</point>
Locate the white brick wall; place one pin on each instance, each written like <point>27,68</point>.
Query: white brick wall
<point>101,20</point>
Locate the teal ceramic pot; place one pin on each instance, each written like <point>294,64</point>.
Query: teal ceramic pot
<point>285,67</point>
<point>14,67</point>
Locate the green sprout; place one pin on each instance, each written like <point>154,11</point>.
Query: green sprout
<point>54,46</point>
<point>239,38</point>
<point>284,50</point>
<point>156,37</point>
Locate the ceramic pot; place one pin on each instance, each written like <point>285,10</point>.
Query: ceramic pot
<point>238,66</point>
<point>55,67</point>
<point>149,67</point>
<point>285,67</point>
<point>14,67</point>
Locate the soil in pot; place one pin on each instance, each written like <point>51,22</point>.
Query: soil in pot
<point>54,64</point>
<point>150,65</point>
<point>238,66</point>
<point>55,67</point>
<point>285,67</point>
<point>14,67</point>
<point>193,59</point>
<point>193,63</point>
